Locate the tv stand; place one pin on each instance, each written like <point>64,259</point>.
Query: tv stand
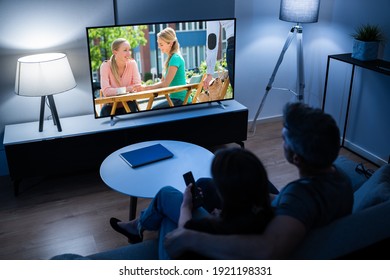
<point>85,142</point>
<point>112,120</point>
<point>221,104</point>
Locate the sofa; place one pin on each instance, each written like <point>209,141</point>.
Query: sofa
<point>365,234</point>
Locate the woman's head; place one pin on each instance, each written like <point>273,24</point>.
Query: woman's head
<point>120,52</point>
<point>121,49</point>
<point>241,180</point>
<point>167,42</point>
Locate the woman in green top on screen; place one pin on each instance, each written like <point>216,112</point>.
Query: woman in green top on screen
<point>174,68</point>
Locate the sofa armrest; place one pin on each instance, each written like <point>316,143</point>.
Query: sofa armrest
<point>348,167</point>
<point>347,234</point>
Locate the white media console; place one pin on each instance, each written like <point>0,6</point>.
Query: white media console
<point>85,142</point>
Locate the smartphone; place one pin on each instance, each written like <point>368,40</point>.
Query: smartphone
<point>197,199</point>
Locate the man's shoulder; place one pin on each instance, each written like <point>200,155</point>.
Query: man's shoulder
<point>309,192</point>
<point>298,184</point>
<point>335,178</point>
<point>316,200</point>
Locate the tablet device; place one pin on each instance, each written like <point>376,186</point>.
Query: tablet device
<point>146,155</point>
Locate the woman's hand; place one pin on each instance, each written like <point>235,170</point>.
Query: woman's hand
<point>186,207</point>
<point>216,212</point>
<point>130,89</point>
<point>187,197</point>
<point>139,88</point>
<point>206,81</point>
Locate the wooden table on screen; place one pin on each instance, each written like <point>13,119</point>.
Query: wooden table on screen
<point>150,95</point>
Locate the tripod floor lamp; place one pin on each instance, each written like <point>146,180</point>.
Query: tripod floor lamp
<point>297,11</point>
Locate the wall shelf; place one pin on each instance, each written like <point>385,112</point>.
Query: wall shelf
<point>377,65</point>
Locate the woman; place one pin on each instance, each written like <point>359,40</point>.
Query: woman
<point>121,71</point>
<point>242,185</point>
<point>174,68</point>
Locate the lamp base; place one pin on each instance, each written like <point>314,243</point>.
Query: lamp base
<point>295,32</point>
<point>53,109</point>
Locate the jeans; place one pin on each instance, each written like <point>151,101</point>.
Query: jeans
<point>163,214</point>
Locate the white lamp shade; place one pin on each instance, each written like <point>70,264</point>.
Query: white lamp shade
<point>43,74</point>
<point>299,11</point>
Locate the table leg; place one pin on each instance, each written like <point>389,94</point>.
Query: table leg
<point>241,143</point>
<point>133,208</point>
<point>326,84</point>
<point>16,186</point>
<point>348,105</point>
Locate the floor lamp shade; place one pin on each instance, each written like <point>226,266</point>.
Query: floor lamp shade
<point>299,11</point>
<point>43,75</point>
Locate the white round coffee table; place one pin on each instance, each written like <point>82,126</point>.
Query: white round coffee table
<point>145,181</point>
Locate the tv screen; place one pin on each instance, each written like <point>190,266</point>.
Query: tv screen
<point>151,66</point>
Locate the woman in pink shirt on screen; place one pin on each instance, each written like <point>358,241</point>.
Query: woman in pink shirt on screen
<point>121,71</point>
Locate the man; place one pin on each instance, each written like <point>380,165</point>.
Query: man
<point>321,195</point>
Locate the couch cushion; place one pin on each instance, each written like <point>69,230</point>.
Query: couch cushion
<point>347,234</point>
<point>374,191</point>
<point>348,166</point>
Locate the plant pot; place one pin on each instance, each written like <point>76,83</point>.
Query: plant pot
<point>365,50</point>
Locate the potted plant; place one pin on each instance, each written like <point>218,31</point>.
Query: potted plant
<point>366,42</point>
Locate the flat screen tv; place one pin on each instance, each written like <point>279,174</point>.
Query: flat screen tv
<point>133,77</point>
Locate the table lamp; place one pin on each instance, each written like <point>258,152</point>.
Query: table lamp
<point>297,11</point>
<point>44,75</point>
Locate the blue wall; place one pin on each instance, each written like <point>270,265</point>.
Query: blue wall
<point>59,26</point>
<point>260,38</point>
<point>172,10</point>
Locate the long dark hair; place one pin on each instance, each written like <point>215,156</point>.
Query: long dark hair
<point>242,183</point>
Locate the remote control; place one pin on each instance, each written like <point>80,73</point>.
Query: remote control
<point>197,199</point>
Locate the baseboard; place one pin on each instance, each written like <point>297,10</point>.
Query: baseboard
<point>347,144</point>
<point>364,153</point>
<point>266,120</point>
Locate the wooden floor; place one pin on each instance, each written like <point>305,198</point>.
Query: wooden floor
<point>70,214</point>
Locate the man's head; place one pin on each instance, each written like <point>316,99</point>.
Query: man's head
<point>311,135</point>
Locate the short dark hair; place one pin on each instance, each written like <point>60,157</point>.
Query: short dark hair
<point>311,134</point>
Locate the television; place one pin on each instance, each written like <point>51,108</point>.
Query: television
<point>196,38</point>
